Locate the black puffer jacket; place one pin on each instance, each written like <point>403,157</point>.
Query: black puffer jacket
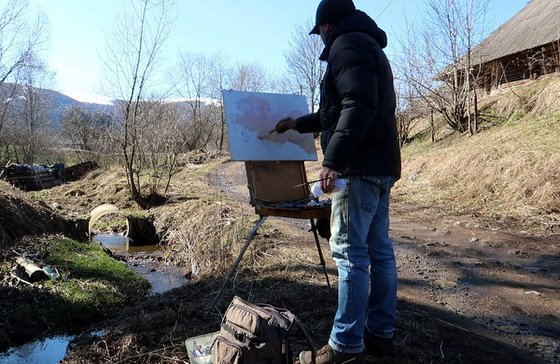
<point>357,109</point>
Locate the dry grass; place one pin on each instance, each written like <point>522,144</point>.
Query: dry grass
<point>509,170</point>
<point>77,199</point>
<point>201,234</point>
<point>200,227</point>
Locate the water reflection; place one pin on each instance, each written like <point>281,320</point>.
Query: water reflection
<point>46,351</point>
<point>162,277</point>
<point>114,242</point>
<point>146,260</point>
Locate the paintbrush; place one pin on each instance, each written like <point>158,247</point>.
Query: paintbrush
<point>317,180</point>
<point>267,134</point>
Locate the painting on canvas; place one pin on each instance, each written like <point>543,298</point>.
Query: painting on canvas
<point>251,118</point>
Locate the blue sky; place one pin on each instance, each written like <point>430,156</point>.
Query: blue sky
<point>244,30</point>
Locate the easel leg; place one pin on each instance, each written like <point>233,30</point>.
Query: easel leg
<point>320,251</point>
<point>237,261</point>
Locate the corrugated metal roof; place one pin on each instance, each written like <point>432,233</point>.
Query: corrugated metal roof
<point>538,23</point>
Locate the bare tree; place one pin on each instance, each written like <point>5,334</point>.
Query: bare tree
<point>30,130</point>
<point>219,76</point>
<point>19,42</point>
<point>473,24</point>
<point>407,110</point>
<point>196,89</point>
<point>132,60</point>
<point>305,69</point>
<point>86,131</point>
<point>249,77</point>
<point>283,83</point>
<point>161,154</point>
<point>78,128</point>
<point>437,59</point>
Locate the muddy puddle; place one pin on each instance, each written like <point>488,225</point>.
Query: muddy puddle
<point>146,260</point>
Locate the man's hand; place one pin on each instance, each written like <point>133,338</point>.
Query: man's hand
<point>328,176</point>
<point>285,124</point>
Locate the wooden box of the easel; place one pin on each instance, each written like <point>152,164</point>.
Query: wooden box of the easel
<point>272,184</point>
<point>275,181</point>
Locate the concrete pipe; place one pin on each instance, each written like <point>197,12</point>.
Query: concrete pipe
<point>102,210</point>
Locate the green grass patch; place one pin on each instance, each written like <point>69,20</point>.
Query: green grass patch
<point>92,277</point>
<point>138,214</point>
<point>93,286</point>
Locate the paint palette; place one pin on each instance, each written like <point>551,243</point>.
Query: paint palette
<point>199,348</point>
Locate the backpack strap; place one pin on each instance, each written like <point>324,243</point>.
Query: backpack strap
<point>295,320</point>
<point>307,338</point>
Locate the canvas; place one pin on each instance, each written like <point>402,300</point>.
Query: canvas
<point>251,118</point>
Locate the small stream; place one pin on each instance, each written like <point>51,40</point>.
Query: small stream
<point>46,351</point>
<point>146,260</point>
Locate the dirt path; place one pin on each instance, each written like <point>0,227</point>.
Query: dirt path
<point>502,282</point>
<point>487,278</point>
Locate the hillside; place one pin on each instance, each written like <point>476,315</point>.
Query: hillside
<point>509,170</point>
<point>21,215</point>
<point>57,103</point>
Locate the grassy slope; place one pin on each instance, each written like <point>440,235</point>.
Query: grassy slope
<point>511,168</point>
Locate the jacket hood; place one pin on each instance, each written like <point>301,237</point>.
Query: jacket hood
<point>358,21</point>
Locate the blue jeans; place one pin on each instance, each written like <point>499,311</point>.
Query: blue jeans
<point>364,255</point>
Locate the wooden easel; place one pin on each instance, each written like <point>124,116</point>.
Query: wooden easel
<point>271,188</point>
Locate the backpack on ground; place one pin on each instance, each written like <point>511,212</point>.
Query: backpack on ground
<point>256,334</point>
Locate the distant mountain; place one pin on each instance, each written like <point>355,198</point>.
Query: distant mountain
<point>61,103</point>
<point>57,102</point>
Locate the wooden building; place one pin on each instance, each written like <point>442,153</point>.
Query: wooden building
<point>525,47</point>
